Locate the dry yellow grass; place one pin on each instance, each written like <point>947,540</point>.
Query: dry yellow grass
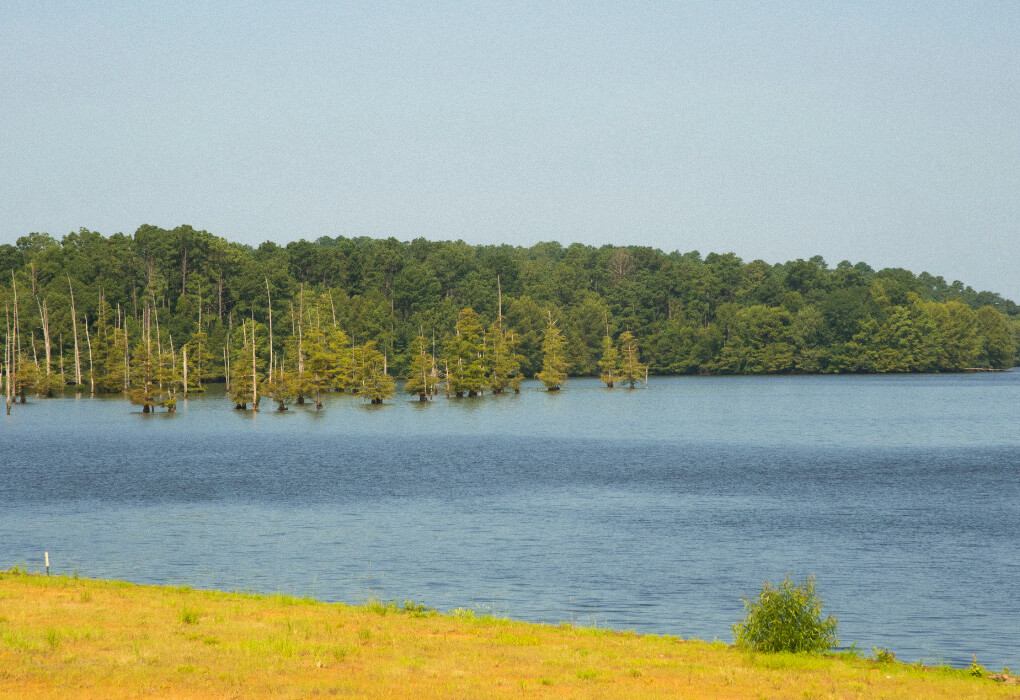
<point>68,638</point>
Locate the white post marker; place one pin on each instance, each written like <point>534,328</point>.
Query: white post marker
<point>47,563</point>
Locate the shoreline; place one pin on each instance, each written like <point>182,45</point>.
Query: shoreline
<point>62,636</point>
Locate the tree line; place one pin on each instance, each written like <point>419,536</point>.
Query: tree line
<point>121,313</point>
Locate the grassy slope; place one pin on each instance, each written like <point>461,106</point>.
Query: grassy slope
<point>67,637</point>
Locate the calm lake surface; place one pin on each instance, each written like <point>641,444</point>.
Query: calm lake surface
<point>654,509</point>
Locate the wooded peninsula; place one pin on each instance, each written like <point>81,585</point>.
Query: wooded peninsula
<point>157,314</point>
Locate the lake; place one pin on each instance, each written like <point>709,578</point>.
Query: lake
<point>652,509</point>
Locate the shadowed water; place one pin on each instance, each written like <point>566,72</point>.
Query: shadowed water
<point>653,509</point>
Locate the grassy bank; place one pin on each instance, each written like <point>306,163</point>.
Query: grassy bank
<point>67,637</point>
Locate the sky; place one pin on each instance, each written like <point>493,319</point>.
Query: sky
<point>883,132</point>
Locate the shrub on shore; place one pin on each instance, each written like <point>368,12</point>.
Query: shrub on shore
<point>786,617</point>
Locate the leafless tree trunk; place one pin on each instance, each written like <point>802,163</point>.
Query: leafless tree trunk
<point>92,374</point>
<point>127,363</point>
<point>270,297</point>
<point>44,317</point>
<point>74,324</point>
<point>254,373</point>
<point>8,357</point>
<point>300,342</point>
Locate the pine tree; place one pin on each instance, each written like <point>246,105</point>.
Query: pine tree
<point>466,374</point>
<point>27,378</point>
<point>339,348</point>
<point>280,385</point>
<point>502,362</point>
<point>170,379</point>
<point>144,388</point>
<point>631,368</point>
<point>198,361</point>
<point>245,368</point>
<point>514,360</point>
<point>610,362</point>
<point>47,384</point>
<point>327,362</point>
<point>146,374</point>
<point>421,377</point>
<point>108,345</point>
<point>115,347</point>
<point>320,368</point>
<point>372,380</point>
<point>554,363</point>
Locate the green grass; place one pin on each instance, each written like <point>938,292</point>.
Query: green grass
<point>67,637</point>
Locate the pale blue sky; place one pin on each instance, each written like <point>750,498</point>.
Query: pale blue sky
<point>884,132</point>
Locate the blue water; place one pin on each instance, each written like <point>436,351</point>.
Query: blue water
<point>654,509</point>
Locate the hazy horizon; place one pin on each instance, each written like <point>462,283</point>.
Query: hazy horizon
<point>873,132</point>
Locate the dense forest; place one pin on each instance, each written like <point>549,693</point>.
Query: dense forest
<point>172,309</point>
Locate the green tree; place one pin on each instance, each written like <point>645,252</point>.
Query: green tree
<point>632,370</point>
<point>43,383</point>
<point>246,367</point>
<point>908,341</point>
<point>281,386</point>
<point>997,344</point>
<point>144,377</point>
<point>338,354</point>
<point>584,324</point>
<point>111,348</point>
<point>610,362</point>
<point>464,356</point>
<point>512,361</point>
<point>767,339</point>
<point>26,379</point>
<point>757,340</point>
<point>528,320</point>
<point>957,327</point>
<point>422,376</point>
<point>373,382</point>
<point>322,366</point>
<point>169,379</point>
<point>502,362</point>
<point>198,361</point>
<point>806,333</point>
<point>554,363</point>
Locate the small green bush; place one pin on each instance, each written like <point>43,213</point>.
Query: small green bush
<point>883,656</point>
<point>977,669</point>
<point>417,609</point>
<point>786,617</point>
